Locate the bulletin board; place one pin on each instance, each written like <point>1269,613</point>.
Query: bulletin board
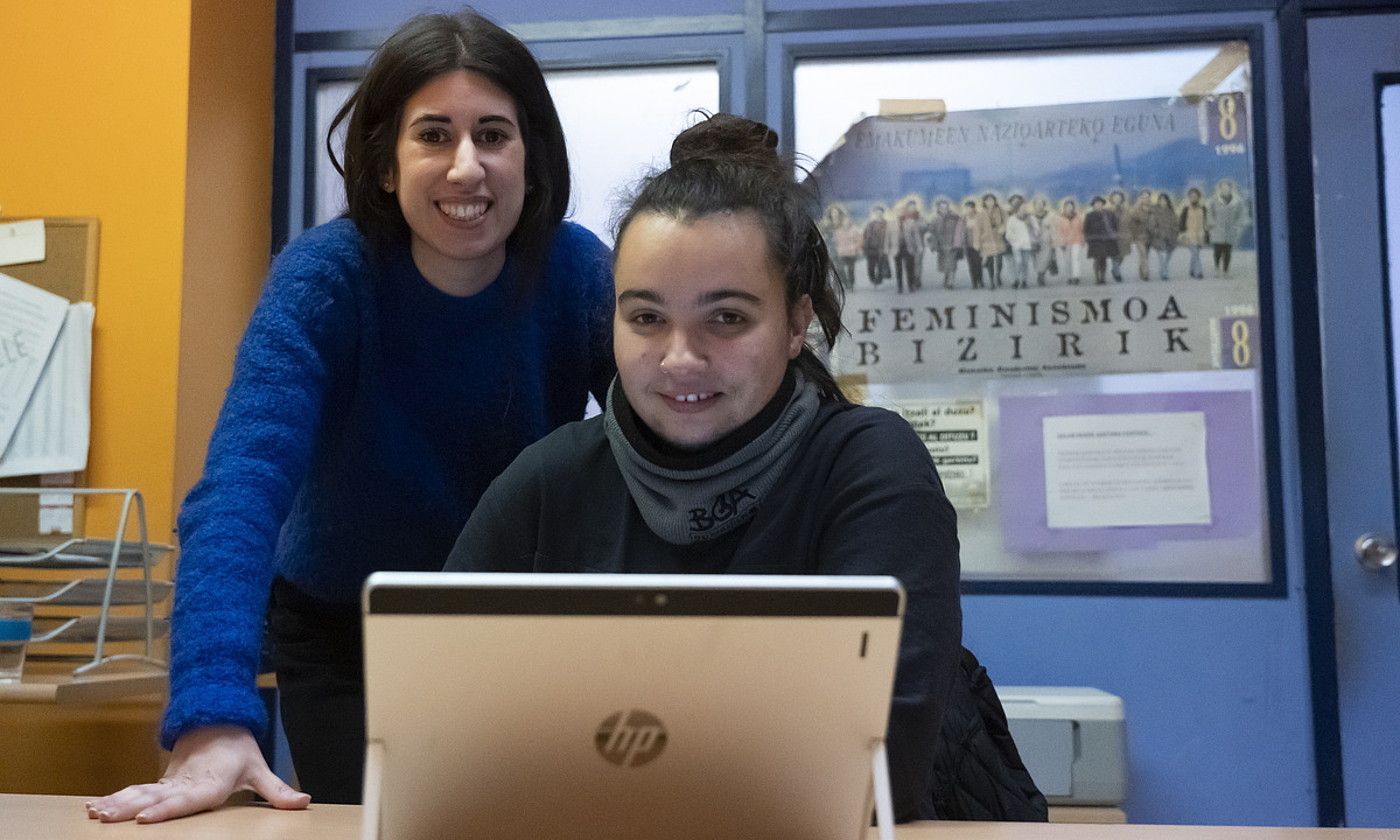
<point>69,269</point>
<point>1066,290</point>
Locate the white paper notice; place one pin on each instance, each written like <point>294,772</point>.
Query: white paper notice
<point>56,509</point>
<point>1106,470</point>
<point>22,242</point>
<point>955,432</point>
<point>52,435</point>
<point>29,322</point>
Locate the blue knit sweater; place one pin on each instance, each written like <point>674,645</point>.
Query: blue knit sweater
<point>368,413</point>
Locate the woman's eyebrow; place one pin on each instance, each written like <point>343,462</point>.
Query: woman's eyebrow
<point>640,294</point>
<point>725,294</point>
<point>443,118</point>
<point>704,299</point>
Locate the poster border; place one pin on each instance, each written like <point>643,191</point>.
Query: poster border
<point>1252,34</point>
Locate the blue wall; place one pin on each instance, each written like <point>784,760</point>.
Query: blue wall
<point>1216,691</point>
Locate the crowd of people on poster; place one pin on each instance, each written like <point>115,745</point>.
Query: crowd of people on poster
<point>1073,239</point>
<point>995,240</point>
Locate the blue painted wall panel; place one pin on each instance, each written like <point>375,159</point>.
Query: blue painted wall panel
<point>1215,694</point>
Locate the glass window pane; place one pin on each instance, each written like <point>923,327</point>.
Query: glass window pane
<point>619,122</point>
<point>330,189</point>
<point>1051,270</point>
<point>1390,167</point>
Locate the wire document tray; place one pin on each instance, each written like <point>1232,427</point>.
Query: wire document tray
<point>89,587</point>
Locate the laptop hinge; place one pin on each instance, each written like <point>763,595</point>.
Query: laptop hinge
<point>880,780</point>
<point>373,791</point>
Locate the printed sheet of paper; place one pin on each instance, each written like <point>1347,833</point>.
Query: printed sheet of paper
<point>1105,470</point>
<point>22,242</point>
<point>955,432</point>
<point>30,319</point>
<point>52,435</point>
<point>56,508</point>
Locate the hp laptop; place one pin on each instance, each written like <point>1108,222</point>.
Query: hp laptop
<point>627,707</point>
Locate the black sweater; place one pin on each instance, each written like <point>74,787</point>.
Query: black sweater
<point>862,497</point>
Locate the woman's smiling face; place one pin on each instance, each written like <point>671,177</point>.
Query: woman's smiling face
<point>703,333</point>
<point>459,177</point>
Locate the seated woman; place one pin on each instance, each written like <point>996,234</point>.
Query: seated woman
<point>726,445</point>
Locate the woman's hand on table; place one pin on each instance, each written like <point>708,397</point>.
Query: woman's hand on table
<point>208,766</point>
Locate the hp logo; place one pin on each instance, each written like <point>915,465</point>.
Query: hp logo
<point>631,738</point>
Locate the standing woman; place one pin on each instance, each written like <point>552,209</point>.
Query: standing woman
<point>947,235</point>
<point>1043,230</point>
<point>991,239</point>
<point>1101,237</point>
<point>399,359</point>
<point>876,245</point>
<point>1192,226</point>
<point>1162,233</point>
<point>973,220</point>
<point>847,235</point>
<point>909,252</point>
<point>1226,221</point>
<point>1020,238</point>
<point>1136,224</point>
<point>1069,239</point>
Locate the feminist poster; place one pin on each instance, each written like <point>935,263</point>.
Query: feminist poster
<point>1079,239</point>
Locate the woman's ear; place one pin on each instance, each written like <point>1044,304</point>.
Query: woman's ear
<point>799,320</point>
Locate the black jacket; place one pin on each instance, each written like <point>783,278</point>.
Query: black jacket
<point>977,772</point>
<point>862,497</point>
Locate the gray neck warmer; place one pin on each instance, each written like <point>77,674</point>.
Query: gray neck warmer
<point>684,506</point>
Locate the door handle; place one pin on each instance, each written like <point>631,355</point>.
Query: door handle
<point>1375,553</point>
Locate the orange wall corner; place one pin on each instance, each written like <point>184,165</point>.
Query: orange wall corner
<point>95,107</point>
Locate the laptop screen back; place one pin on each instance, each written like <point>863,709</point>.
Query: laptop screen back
<point>626,706</point>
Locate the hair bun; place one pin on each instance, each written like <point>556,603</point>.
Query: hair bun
<point>728,138</point>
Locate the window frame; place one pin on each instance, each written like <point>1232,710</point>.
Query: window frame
<point>857,42</point>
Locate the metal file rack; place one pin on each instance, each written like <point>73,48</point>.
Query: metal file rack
<point>87,558</point>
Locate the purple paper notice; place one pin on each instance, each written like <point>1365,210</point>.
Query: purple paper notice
<point>1232,468</point>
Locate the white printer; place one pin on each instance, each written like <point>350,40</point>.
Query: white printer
<point>1072,742</point>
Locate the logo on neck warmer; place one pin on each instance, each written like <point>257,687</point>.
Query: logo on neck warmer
<point>726,506</point>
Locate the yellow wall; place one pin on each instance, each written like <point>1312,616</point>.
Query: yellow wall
<point>106,115</point>
<point>95,106</point>
<point>156,118</point>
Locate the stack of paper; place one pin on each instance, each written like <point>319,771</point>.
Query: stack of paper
<point>45,376</point>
